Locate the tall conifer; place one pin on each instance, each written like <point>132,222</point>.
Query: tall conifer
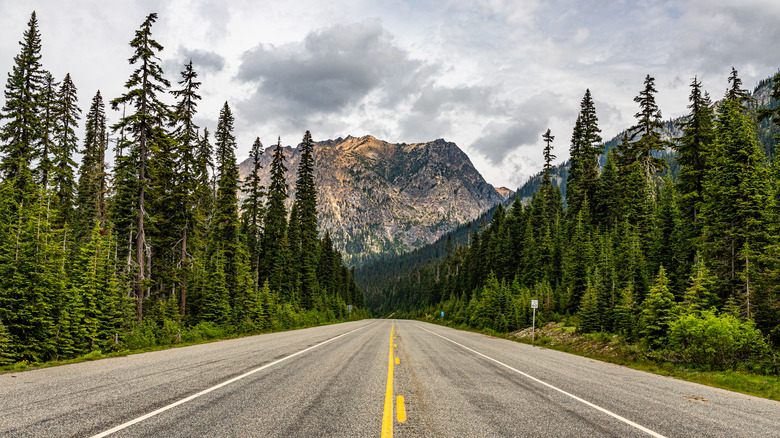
<point>144,126</point>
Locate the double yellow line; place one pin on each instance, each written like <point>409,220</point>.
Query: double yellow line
<point>387,417</point>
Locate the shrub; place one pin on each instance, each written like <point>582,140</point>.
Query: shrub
<point>716,341</point>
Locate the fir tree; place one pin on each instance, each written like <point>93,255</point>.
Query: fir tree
<point>645,137</point>
<point>548,157</point>
<point>658,311</point>
<point>186,191</point>
<point>584,152</point>
<point>144,125</point>
<point>66,144</point>
<point>699,295</point>
<point>22,131</point>
<point>48,110</point>
<point>735,199</point>
<point>306,199</point>
<point>90,205</point>
<point>693,153</point>
<point>252,208</point>
<point>226,209</point>
<point>275,245</point>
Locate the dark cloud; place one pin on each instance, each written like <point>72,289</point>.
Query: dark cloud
<point>531,119</point>
<point>333,69</point>
<point>203,60</point>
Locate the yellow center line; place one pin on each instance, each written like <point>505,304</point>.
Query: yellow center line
<point>401,408</point>
<point>397,360</point>
<point>387,418</point>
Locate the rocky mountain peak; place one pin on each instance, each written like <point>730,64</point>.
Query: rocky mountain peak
<point>378,198</point>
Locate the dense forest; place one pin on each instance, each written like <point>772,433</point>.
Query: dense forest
<point>159,248</point>
<point>683,261</point>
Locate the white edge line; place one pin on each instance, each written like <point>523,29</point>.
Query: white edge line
<point>215,387</point>
<point>599,408</point>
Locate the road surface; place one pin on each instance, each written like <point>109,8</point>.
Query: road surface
<point>367,379</point>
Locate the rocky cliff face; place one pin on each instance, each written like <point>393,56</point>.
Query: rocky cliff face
<point>378,198</point>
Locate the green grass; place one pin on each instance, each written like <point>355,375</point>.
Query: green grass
<point>97,354</point>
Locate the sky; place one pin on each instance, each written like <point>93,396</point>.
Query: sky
<point>491,76</point>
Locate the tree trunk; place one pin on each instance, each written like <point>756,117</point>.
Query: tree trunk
<point>183,292</point>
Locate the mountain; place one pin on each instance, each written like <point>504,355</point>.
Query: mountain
<point>378,198</point>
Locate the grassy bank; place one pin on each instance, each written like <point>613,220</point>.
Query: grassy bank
<point>202,337</point>
<point>610,348</point>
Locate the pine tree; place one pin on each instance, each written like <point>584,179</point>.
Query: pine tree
<point>144,125</point>
<point>658,311</point>
<point>693,154</point>
<point>584,152</point>
<point>589,306</point>
<point>699,295</point>
<point>252,208</point>
<point>624,319</point>
<point>645,136</point>
<point>548,157</point>
<point>66,144</point>
<point>607,201</point>
<point>226,209</point>
<point>186,191</point>
<point>22,131</point>
<point>48,110</point>
<point>90,205</point>
<point>735,197</point>
<point>275,244</point>
<point>306,199</point>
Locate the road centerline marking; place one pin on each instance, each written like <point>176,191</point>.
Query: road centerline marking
<point>594,406</point>
<point>387,416</point>
<point>401,408</point>
<point>127,424</point>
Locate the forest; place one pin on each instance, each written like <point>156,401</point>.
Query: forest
<point>677,253</point>
<point>155,248</point>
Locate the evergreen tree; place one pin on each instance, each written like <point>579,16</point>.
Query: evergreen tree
<point>226,209</point>
<point>66,144</point>
<point>145,126</point>
<point>252,209</point>
<point>306,199</point>
<point>90,205</point>
<point>645,136</point>
<point>589,307</point>
<point>22,131</point>
<point>693,155</point>
<point>48,110</point>
<point>584,152</point>
<point>658,311</point>
<point>698,295</point>
<point>186,191</point>
<point>275,245</point>
<point>548,157</point>
<point>735,199</point>
<point>607,202</point>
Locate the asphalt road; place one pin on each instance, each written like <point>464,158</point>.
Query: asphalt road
<point>348,380</point>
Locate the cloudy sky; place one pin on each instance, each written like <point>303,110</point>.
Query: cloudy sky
<point>489,75</point>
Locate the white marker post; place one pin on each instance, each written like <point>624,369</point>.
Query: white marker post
<point>534,305</point>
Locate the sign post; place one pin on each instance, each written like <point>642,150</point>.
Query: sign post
<point>534,305</point>
<point>349,309</point>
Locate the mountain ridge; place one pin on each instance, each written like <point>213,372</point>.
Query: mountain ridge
<point>377,198</point>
